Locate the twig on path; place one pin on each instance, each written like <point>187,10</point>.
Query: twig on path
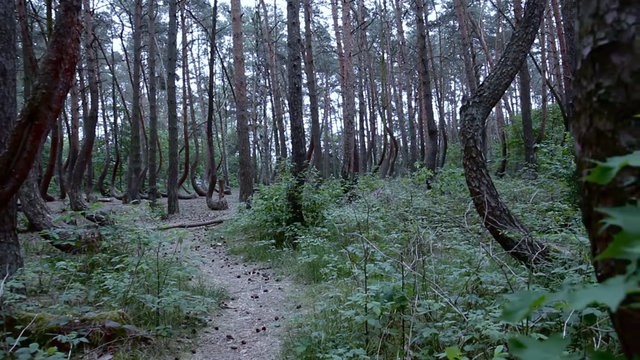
<point>192,225</point>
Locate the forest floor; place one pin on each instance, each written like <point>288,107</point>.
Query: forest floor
<point>251,322</point>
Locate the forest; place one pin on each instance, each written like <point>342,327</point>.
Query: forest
<point>319,179</point>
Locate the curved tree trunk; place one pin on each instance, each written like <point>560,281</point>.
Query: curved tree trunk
<point>512,235</point>
<point>21,144</point>
<point>607,90</point>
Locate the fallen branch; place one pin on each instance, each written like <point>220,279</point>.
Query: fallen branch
<point>185,226</point>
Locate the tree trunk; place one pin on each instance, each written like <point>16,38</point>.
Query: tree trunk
<point>294,70</point>
<point>211,154</point>
<point>153,108</point>
<point>172,55</point>
<point>10,257</point>
<point>431,150</point>
<point>525,100</point>
<point>245,173</point>
<point>607,90</point>
<point>185,121</point>
<point>312,87</point>
<point>78,170</point>
<point>134,167</point>
<point>44,105</point>
<point>495,215</point>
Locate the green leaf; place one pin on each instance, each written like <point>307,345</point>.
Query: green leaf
<point>453,353</point>
<point>522,304</point>
<point>623,246</point>
<point>604,172</point>
<point>527,348</point>
<point>610,293</point>
<point>627,217</point>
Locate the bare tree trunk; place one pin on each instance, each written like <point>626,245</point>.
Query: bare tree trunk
<point>153,109</point>
<point>312,87</point>
<point>496,217</point>
<point>172,54</point>
<point>135,161</point>
<point>274,82</point>
<point>10,257</point>
<point>431,154</point>
<point>525,100</point>
<point>607,85</point>
<point>245,173</point>
<point>22,143</point>
<point>185,122</point>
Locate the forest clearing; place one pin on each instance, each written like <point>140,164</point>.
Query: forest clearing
<point>319,179</point>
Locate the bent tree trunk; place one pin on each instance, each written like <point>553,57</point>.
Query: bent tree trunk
<point>513,236</point>
<point>607,101</point>
<point>43,106</point>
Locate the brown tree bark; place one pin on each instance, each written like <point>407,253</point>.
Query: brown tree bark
<point>185,98</point>
<point>274,84</point>
<point>76,173</point>
<point>525,100</point>
<point>10,257</point>
<point>510,233</point>
<point>607,90</point>
<point>153,107</point>
<point>245,173</point>
<point>172,110</point>
<point>50,89</point>
<point>298,151</point>
<point>312,87</point>
<point>134,167</point>
<point>21,144</point>
<point>431,147</point>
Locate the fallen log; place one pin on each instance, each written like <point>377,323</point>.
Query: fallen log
<point>191,225</point>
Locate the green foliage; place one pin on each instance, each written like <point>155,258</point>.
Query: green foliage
<point>587,299</point>
<point>141,279</point>
<point>401,272</point>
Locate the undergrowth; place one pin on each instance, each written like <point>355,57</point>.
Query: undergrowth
<point>132,298</point>
<point>398,271</point>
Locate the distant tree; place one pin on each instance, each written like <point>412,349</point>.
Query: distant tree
<point>511,234</point>
<point>315,147</point>
<point>20,146</point>
<point>607,103</point>
<point>245,173</point>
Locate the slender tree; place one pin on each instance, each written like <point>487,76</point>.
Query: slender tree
<point>172,54</point>
<point>134,168</point>
<point>245,173</point>
<point>152,95</point>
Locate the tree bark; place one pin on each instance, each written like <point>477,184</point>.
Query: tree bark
<point>153,108</point>
<point>510,233</point>
<point>312,87</point>
<point>172,109</point>
<point>10,256</point>
<point>45,103</point>
<point>607,90</point>
<point>431,149</point>
<point>134,168</point>
<point>245,173</point>
<point>294,70</point>
<point>525,100</point>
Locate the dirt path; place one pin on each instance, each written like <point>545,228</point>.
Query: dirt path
<point>251,323</point>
